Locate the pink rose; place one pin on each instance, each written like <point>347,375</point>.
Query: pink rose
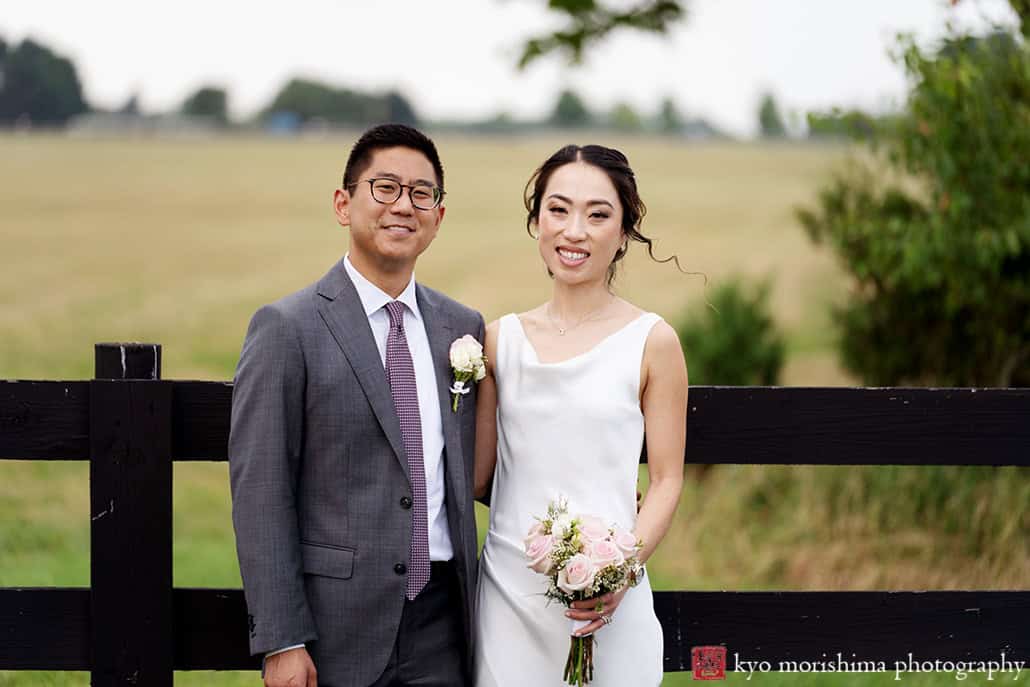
<point>604,553</point>
<point>592,528</point>
<point>626,541</point>
<point>538,551</point>
<point>536,528</point>
<point>577,575</point>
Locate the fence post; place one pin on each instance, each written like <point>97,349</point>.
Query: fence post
<point>131,511</point>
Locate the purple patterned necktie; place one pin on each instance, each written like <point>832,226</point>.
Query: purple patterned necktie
<point>401,373</point>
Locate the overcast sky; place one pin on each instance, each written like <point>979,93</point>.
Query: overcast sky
<point>455,58</point>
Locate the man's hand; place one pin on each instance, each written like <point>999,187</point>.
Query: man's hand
<point>292,668</point>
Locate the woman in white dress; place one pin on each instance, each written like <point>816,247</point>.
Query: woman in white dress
<point>570,389</point>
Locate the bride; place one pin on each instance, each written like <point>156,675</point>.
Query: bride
<point>571,387</point>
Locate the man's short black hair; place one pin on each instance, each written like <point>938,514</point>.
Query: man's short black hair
<point>389,136</point>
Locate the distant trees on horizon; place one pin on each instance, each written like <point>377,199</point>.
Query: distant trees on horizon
<point>39,87</point>
<point>309,100</point>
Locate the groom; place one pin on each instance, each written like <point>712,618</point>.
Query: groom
<point>351,474</point>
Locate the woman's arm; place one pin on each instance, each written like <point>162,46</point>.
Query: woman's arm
<point>664,402</point>
<point>486,419</point>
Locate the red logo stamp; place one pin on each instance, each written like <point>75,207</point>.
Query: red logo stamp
<point>708,662</point>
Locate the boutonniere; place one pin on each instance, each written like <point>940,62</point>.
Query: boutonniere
<point>468,364</point>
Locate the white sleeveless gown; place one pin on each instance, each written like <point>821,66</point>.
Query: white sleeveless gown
<point>572,429</point>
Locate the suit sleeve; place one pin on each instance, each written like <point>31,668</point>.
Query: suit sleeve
<point>264,458</point>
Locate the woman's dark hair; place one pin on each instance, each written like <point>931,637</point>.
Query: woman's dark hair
<point>616,166</point>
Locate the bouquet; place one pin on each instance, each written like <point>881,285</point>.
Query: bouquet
<point>582,557</point>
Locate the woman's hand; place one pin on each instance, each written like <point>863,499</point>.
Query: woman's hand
<point>587,610</point>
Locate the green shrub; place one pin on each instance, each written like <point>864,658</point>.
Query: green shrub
<point>934,227</point>
<point>734,340</point>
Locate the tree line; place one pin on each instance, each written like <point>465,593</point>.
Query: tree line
<point>39,87</point>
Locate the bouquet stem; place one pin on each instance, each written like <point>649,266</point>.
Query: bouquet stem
<point>579,667</point>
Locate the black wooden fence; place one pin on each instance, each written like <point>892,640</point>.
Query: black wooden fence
<point>131,627</point>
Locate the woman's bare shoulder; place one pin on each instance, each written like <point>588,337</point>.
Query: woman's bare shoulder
<point>663,346</point>
<point>534,318</point>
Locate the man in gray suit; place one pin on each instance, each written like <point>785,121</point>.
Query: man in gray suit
<point>351,474</point>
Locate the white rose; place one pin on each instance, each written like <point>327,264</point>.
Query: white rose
<point>480,372</point>
<point>560,526</point>
<point>466,354</point>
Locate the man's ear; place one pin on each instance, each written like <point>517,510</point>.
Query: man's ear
<point>341,206</point>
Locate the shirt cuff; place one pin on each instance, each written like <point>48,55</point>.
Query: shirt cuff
<point>284,649</point>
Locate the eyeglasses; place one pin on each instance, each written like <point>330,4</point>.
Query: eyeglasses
<point>387,191</point>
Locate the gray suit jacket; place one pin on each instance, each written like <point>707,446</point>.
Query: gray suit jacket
<point>318,473</point>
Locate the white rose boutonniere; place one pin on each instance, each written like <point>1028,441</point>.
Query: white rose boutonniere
<point>468,364</point>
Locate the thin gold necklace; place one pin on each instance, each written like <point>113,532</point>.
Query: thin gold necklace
<point>562,330</point>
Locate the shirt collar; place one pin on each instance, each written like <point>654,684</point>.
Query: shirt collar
<point>373,298</point>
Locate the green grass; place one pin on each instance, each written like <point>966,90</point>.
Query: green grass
<point>767,527</point>
<point>770,679</point>
<point>179,242</point>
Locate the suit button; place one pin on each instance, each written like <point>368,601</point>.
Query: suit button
<point>400,568</point>
<point>405,502</point>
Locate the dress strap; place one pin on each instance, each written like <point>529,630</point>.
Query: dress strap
<point>634,344</point>
<point>509,346</point>
<point>641,329</point>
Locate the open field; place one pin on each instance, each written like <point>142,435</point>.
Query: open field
<point>179,242</point>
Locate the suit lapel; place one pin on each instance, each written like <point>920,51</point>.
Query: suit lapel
<point>345,317</point>
<point>441,334</point>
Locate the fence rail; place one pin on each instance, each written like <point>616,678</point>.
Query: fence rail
<point>132,627</point>
<point>49,420</point>
<point>49,629</point>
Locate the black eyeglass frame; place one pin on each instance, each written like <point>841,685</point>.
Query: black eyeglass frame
<point>438,193</point>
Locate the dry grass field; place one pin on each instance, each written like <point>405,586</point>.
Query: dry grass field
<point>178,242</point>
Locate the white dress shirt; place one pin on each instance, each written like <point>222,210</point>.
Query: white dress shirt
<point>374,300</point>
